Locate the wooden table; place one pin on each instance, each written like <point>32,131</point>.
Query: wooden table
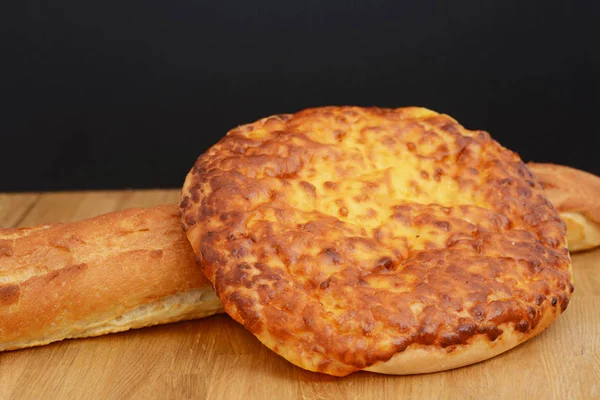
<point>217,358</point>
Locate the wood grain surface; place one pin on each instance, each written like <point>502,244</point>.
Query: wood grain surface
<point>216,358</point>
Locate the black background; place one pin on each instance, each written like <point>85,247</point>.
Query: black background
<point>128,94</point>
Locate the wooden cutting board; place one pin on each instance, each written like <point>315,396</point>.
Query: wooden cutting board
<point>216,358</point>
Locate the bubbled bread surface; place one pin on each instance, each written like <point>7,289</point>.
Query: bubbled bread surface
<point>341,236</point>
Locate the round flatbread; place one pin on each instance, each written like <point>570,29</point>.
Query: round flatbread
<point>387,240</point>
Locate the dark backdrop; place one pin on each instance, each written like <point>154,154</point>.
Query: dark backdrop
<point>128,94</point>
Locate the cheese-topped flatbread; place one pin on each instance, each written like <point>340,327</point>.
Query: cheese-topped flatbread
<point>388,240</point>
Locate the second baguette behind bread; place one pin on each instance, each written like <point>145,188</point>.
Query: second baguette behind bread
<point>111,273</point>
<point>576,195</point>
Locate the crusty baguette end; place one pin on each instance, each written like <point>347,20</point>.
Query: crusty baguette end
<point>111,273</point>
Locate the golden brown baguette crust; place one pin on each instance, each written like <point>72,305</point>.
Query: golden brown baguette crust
<point>576,195</point>
<point>111,273</point>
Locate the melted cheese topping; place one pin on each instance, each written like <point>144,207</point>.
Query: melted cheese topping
<point>340,236</point>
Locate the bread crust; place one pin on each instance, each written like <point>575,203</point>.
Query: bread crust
<point>111,273</point>
<point>392,240</point>
<point>421,359</point>
<point>576,195</point>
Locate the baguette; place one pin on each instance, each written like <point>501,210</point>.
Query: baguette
<point>118,271</point>
<point>576,195</point>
